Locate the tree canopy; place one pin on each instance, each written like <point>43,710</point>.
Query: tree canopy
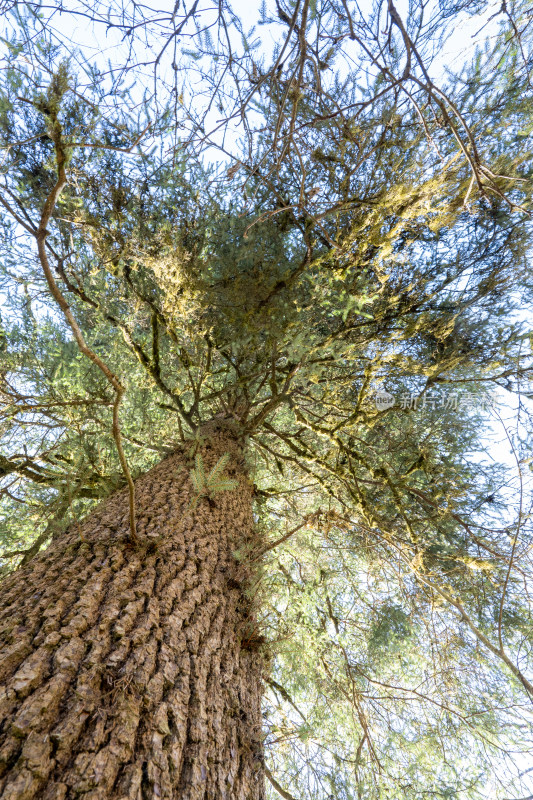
<point>315,230</point>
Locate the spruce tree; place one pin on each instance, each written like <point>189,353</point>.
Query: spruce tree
<point>242,401</point>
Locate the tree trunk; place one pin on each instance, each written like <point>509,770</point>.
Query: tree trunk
<point>131,672</point>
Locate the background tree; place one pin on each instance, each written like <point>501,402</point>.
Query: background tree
<point>371,234</point>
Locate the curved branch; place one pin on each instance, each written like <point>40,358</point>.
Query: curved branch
<point>40,235</point>
<point>279,789</point>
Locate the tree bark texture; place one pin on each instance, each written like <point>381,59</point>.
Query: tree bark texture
<point>130,672</point>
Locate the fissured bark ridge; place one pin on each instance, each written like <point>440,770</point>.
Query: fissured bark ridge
<point>126,672</point>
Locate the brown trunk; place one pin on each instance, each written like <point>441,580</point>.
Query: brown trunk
<point>129,672</point>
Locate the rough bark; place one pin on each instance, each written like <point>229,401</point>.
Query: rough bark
<point>130,672</point>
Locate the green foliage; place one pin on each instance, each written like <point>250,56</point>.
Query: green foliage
<point>208,485</point>
<point>390,630</point>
